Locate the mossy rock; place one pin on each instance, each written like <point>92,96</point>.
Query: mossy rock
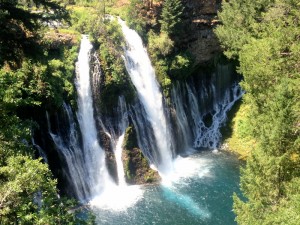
<point>136,166</point>
<point>130,140</point>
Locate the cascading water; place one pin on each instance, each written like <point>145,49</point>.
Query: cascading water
<point>201,113</point>
<point>96,174</point>
<point>209,136</point>
<point>123,124</point>
<point>142,75</point>
<point>86,167</point>
<point>192,195</point>
<point>115,129</point>
<point>70,154</point>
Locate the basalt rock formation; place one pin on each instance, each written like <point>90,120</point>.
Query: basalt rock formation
<point>200,18</point>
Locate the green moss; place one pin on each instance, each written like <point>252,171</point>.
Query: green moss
<point>130,140</point>
<point>236,133</point>
<point>137,169</point>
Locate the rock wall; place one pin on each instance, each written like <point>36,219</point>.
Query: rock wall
<point>200,18</point>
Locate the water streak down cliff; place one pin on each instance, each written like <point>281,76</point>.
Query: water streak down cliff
<point>201,107</point>
<point>143,77</point>
<point>86,168</point>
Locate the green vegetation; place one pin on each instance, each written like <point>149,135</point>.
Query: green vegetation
<point>28,195</point>
<point>107,38</point>
<point>137,169</point>
<point>136,16</point>
<point>116,81</point>
<point>36,74</point>
<point>235,133</point>
<point>264,36</point>
<point>171,17</point>
<point>21,24</point>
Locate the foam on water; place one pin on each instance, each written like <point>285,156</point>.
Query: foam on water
<point>118,198</point>
<point>186,168</point>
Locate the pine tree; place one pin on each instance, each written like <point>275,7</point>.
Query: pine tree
<point>19,25</point>
<point>171,16</point>
<point>264,36</point>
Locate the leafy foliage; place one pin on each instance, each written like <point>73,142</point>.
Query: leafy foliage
<point>28,194</point>
<point>136,16</point>
<point>116,81</point>
<point>241,22</point>
<point>265,38</point>
<point>20,26</point>
<point>181,66</point>
<point>159,45</point>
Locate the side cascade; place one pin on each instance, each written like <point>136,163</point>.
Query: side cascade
<point>201,113</point>
<point>122,125</point>
<point>86,168</point>
<point>142,75</point>
<point>115,129</point>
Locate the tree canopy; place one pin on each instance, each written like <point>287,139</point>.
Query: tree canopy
<point>33,76</point>
<point>264,36</point>
<point>21,23</point>
<point>171,16</point>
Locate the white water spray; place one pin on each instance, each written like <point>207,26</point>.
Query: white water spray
<point>142,75</point>
<point>85,165</point>
<point>96,175</point>
<point>115,128</point>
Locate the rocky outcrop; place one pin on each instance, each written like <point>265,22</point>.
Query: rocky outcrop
<point>200,18</point>
<point>110,159</point>
<point>55,39</point>
<point>136,166</point>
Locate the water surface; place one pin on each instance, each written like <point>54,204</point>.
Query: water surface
<point>200,193</point>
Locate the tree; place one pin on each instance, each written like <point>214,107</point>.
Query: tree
<point>136,16</point>
<point>28,195</point>
<point>171,16</point>
<point>20,26</point>
<point>264,36</point>
<point>240,22</point>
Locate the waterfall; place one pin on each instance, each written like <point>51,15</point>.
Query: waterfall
<point>200,113</point>
<point>123,124</point>
<point>85,164</point>
<point>182,120</point>
<point>70,154</point>
<point>209,136</point>
<point>142,76</point>
<point>115,129</point>
<point>96,174</point>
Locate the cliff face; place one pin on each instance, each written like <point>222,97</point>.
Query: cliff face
<point>200,18</point>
